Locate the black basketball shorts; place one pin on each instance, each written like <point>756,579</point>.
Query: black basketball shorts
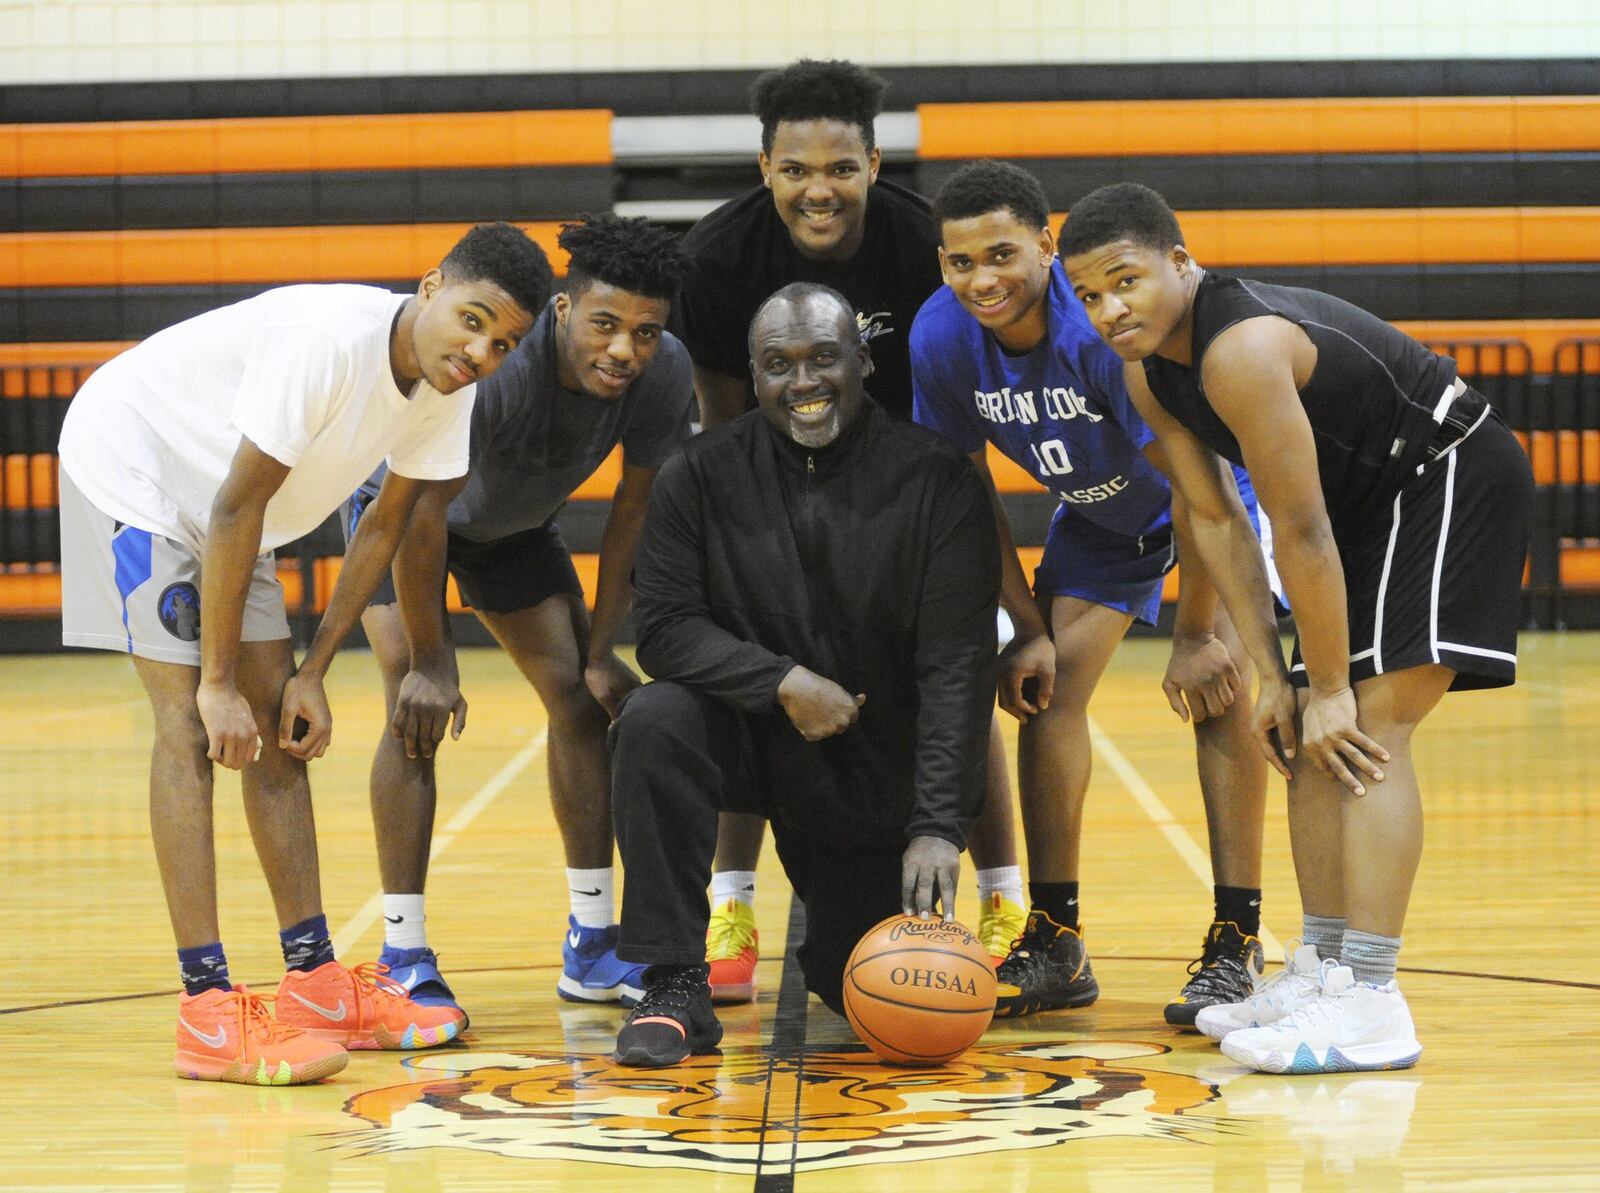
<point>500,576</point>
<point>1440,581</point>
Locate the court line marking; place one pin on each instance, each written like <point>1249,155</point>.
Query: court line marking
<point>98,1000</point>
<point>345,939</point>
<point>1177,836</point>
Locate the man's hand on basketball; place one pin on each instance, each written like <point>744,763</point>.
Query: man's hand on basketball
<point>1333,740</point>
<point>929,869</point>
<point>430,699</point>
<point>231,734</point>
<point>1201,680</point>
<point>1022,660</point>
<point>304,700</point>
<point>1272,722</point>
<point>609,679</point>
<point>817,706</point>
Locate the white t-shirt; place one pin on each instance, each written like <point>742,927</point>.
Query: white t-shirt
<point>302,372</point>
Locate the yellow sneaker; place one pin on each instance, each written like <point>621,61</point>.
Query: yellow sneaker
<point>1001,922</point>
<point>732,948</point>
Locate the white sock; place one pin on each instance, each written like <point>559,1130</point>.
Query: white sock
<point>404,924</point>
<point>593,904</point>
<point>734,884</point>
<point>1005,879</point>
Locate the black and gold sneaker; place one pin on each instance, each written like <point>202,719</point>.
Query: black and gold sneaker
<point>1228,971</point>
<point>672,1020</point>
<point>1046,970</point>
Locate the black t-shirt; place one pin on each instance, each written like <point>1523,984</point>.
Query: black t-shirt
<point>743,253</point>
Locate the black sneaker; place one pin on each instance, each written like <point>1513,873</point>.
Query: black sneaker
<point>1228,971</point>
<point>1046,970</point>
<point>672,1019</point>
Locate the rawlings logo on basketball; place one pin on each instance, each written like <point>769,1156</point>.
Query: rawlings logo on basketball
<point>933,931</point>
<point>719,1113</point>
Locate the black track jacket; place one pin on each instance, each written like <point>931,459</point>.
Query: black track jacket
<point>874,562</point>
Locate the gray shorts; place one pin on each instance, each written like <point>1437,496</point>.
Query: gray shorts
<point>129,590</point>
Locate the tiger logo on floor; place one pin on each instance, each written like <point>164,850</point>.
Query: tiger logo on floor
<point>737,1112</point>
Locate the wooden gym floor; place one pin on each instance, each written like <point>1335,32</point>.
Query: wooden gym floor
<point>1502,967</point>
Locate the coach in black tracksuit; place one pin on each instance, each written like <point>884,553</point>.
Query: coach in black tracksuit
<point>816,600</point>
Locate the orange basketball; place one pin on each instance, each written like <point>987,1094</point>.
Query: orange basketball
<point>919,992</point>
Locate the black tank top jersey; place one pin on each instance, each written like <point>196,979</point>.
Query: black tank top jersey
<point>1371,399</point>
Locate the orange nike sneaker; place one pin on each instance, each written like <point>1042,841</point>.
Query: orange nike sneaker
<point>363,1008</point>
<point>228,1035</point>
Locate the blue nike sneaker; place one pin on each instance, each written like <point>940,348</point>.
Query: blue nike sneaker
<point>591,971</point>
<point>418,971</point>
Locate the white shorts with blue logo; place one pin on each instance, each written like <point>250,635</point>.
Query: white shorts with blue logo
<point>129,590</point>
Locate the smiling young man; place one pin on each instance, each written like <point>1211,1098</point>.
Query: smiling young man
<point>821,214</point>
<point>816,601</point>
<point>1004,355</point>
<point>185,462</point>
<point>1399,502</point>
<point>598,369</point>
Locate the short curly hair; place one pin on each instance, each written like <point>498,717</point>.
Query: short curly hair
<point>503,254</point>
<point>1121,211</point>
<point>978,188</point>
<point>812,89</point>
<point>630,254</point>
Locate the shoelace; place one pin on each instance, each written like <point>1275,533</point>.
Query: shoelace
<point>1024,958</point>
<point>256,1020</point>
<point>1279,986</point>
<point>373,985</point>
<point>1320,1007</point>
<point>730,938</point>
<point>1218,975</point>
<point>996,924</point>
<point>671,993</point>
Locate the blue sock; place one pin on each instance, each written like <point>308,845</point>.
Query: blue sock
<point>306,945</point>
<point>204,967</point>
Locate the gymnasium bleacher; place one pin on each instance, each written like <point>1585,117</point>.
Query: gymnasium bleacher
<point>1455,202</point>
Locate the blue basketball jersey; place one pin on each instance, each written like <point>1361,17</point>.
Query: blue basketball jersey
<point>1060,411</point>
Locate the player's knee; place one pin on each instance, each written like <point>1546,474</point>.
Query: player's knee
<point>179,731</point>
<point>572,708</point>
<point>655,722</point>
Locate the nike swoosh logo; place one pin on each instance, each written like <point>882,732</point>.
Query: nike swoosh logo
<point>574,939</point>
<point>335,1015</point>
<point>395,919</point>
<point>215,1040</point>
<point>411,980</point>
<point>592,893</point>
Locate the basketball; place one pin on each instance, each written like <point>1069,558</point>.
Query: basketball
<point>919,992</point>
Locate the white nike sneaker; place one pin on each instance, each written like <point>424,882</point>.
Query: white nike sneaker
<point>1349,1026</point>
<point>1295,984</point>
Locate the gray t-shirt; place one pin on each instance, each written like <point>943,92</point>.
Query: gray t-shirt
<point>535,441</point>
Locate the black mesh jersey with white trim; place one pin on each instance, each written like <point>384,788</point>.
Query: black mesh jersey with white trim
<point>1374,400</point>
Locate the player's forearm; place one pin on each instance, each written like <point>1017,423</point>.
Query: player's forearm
<point>419,578</point>
<point>614,587</point>
<point>1313,580</point>
<point>233,541</point>
<point>1196,615</point>
<point>1231,555</point>
<point>1016,594</point>
<point>368,559</point>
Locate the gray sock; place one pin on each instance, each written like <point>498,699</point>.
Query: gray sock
<point>1325,934</point>
<point>1371,958</point>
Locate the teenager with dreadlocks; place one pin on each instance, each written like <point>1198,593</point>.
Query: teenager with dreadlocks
<point>597,369</point>
<point>821,214</point>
